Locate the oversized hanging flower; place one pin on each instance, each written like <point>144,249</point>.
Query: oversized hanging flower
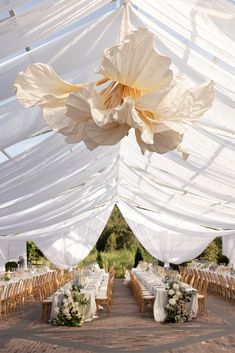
<point>137,90</point>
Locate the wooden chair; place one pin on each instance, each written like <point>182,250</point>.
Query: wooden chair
<point>202,296</point>
<point>105,298</point>
<point>46,304</point>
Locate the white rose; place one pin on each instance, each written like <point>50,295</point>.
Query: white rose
<point>171,292</point>
<point>68,293</point>
<point>65,304</point>
<point>65,311</point>
<point>76,305</point>
<point>172,301</point>
<point>70,300</point>
<point>178,294</point>
<point>175,286</point>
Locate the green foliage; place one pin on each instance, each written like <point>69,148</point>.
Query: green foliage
<point>99,260</point>
<point>33,253</point>
<point>111,243</point>
<point>11,265</point>
<point>89,259</point>
<point>70,310</point>
<point>223,260</point>
<point>138,257</point>
<point>213,250</point>
<point>120,233</point>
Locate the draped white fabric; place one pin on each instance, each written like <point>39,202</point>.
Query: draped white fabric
<point>44,191</point>
<point>11,4</point>
<point>19,123</point>
<point>10,250</point>
<point>40,21</point>
<point>229,248</point>
<point>73,56</point>
<point>68,54</point>
<point>172,243</point>
<point>69,180</point>
<point>70,246</point>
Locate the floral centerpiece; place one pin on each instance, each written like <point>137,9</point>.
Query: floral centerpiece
<point>70,313</point>
<point>178,308</point>
<point>232,272</point>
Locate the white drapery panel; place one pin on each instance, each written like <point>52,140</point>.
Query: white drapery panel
<point>174,243</point>
<point>74,56</point>
<point>200,190</point>
<point>19,123</point>
<point>229,248</point>
<point>197,62</point>
<point>68,180</point>
<point>10,250</point>
<point>43,20</point>
<point>70,246</point>
<point>11,4</point>
<point>67,54</point>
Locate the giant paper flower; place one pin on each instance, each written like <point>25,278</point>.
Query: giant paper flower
<point>137,90</point>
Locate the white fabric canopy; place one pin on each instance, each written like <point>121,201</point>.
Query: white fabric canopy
<point>45,190</point>
<point>71,245</point>
<point>170,243</point>
<point>229,248</point>
<point>11,4</point>
<point>73,55</point>
<point>11,250</point>
<point>40,21</point>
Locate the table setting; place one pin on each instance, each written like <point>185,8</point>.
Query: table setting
<point>174,301</point>
<point>75,303</point>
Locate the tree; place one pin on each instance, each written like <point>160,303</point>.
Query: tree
<point>119,229</point>
<point>212,251</point>
<point>33,253</point>
<point>138,256</point>
<point>111,242</point>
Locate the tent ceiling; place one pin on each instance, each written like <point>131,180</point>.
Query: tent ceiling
<point>52,186</point>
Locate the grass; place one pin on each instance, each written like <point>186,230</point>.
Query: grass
<point>119,259</point>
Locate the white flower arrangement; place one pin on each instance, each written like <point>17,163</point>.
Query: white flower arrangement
<point>70,313</point>
<point>177,307</point>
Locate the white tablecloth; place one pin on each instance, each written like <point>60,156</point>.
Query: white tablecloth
<point>156,287</point>
<point>91,287</point>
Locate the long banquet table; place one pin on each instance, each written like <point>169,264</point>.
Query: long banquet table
<point>157,288</point>
<point>91,287</point>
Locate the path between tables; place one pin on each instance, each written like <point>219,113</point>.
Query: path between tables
<point>125,330</point>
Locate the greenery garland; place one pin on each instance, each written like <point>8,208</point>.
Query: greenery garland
<point>70,310</point>
<point>178,305</point>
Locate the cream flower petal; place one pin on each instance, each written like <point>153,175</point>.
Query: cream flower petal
<point>81,136</point>
<point>163,142</point>
<point>203,98</point>
<point>150,101</point>
<point>123,114</point>
<point>78,104</point>
<point>175,108</point>
<point>110,135</point>
<point>86,108</point>
<point>39,85</point>
<point>94,136</point>
<point>177,104</point>
<point>135,63</point>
